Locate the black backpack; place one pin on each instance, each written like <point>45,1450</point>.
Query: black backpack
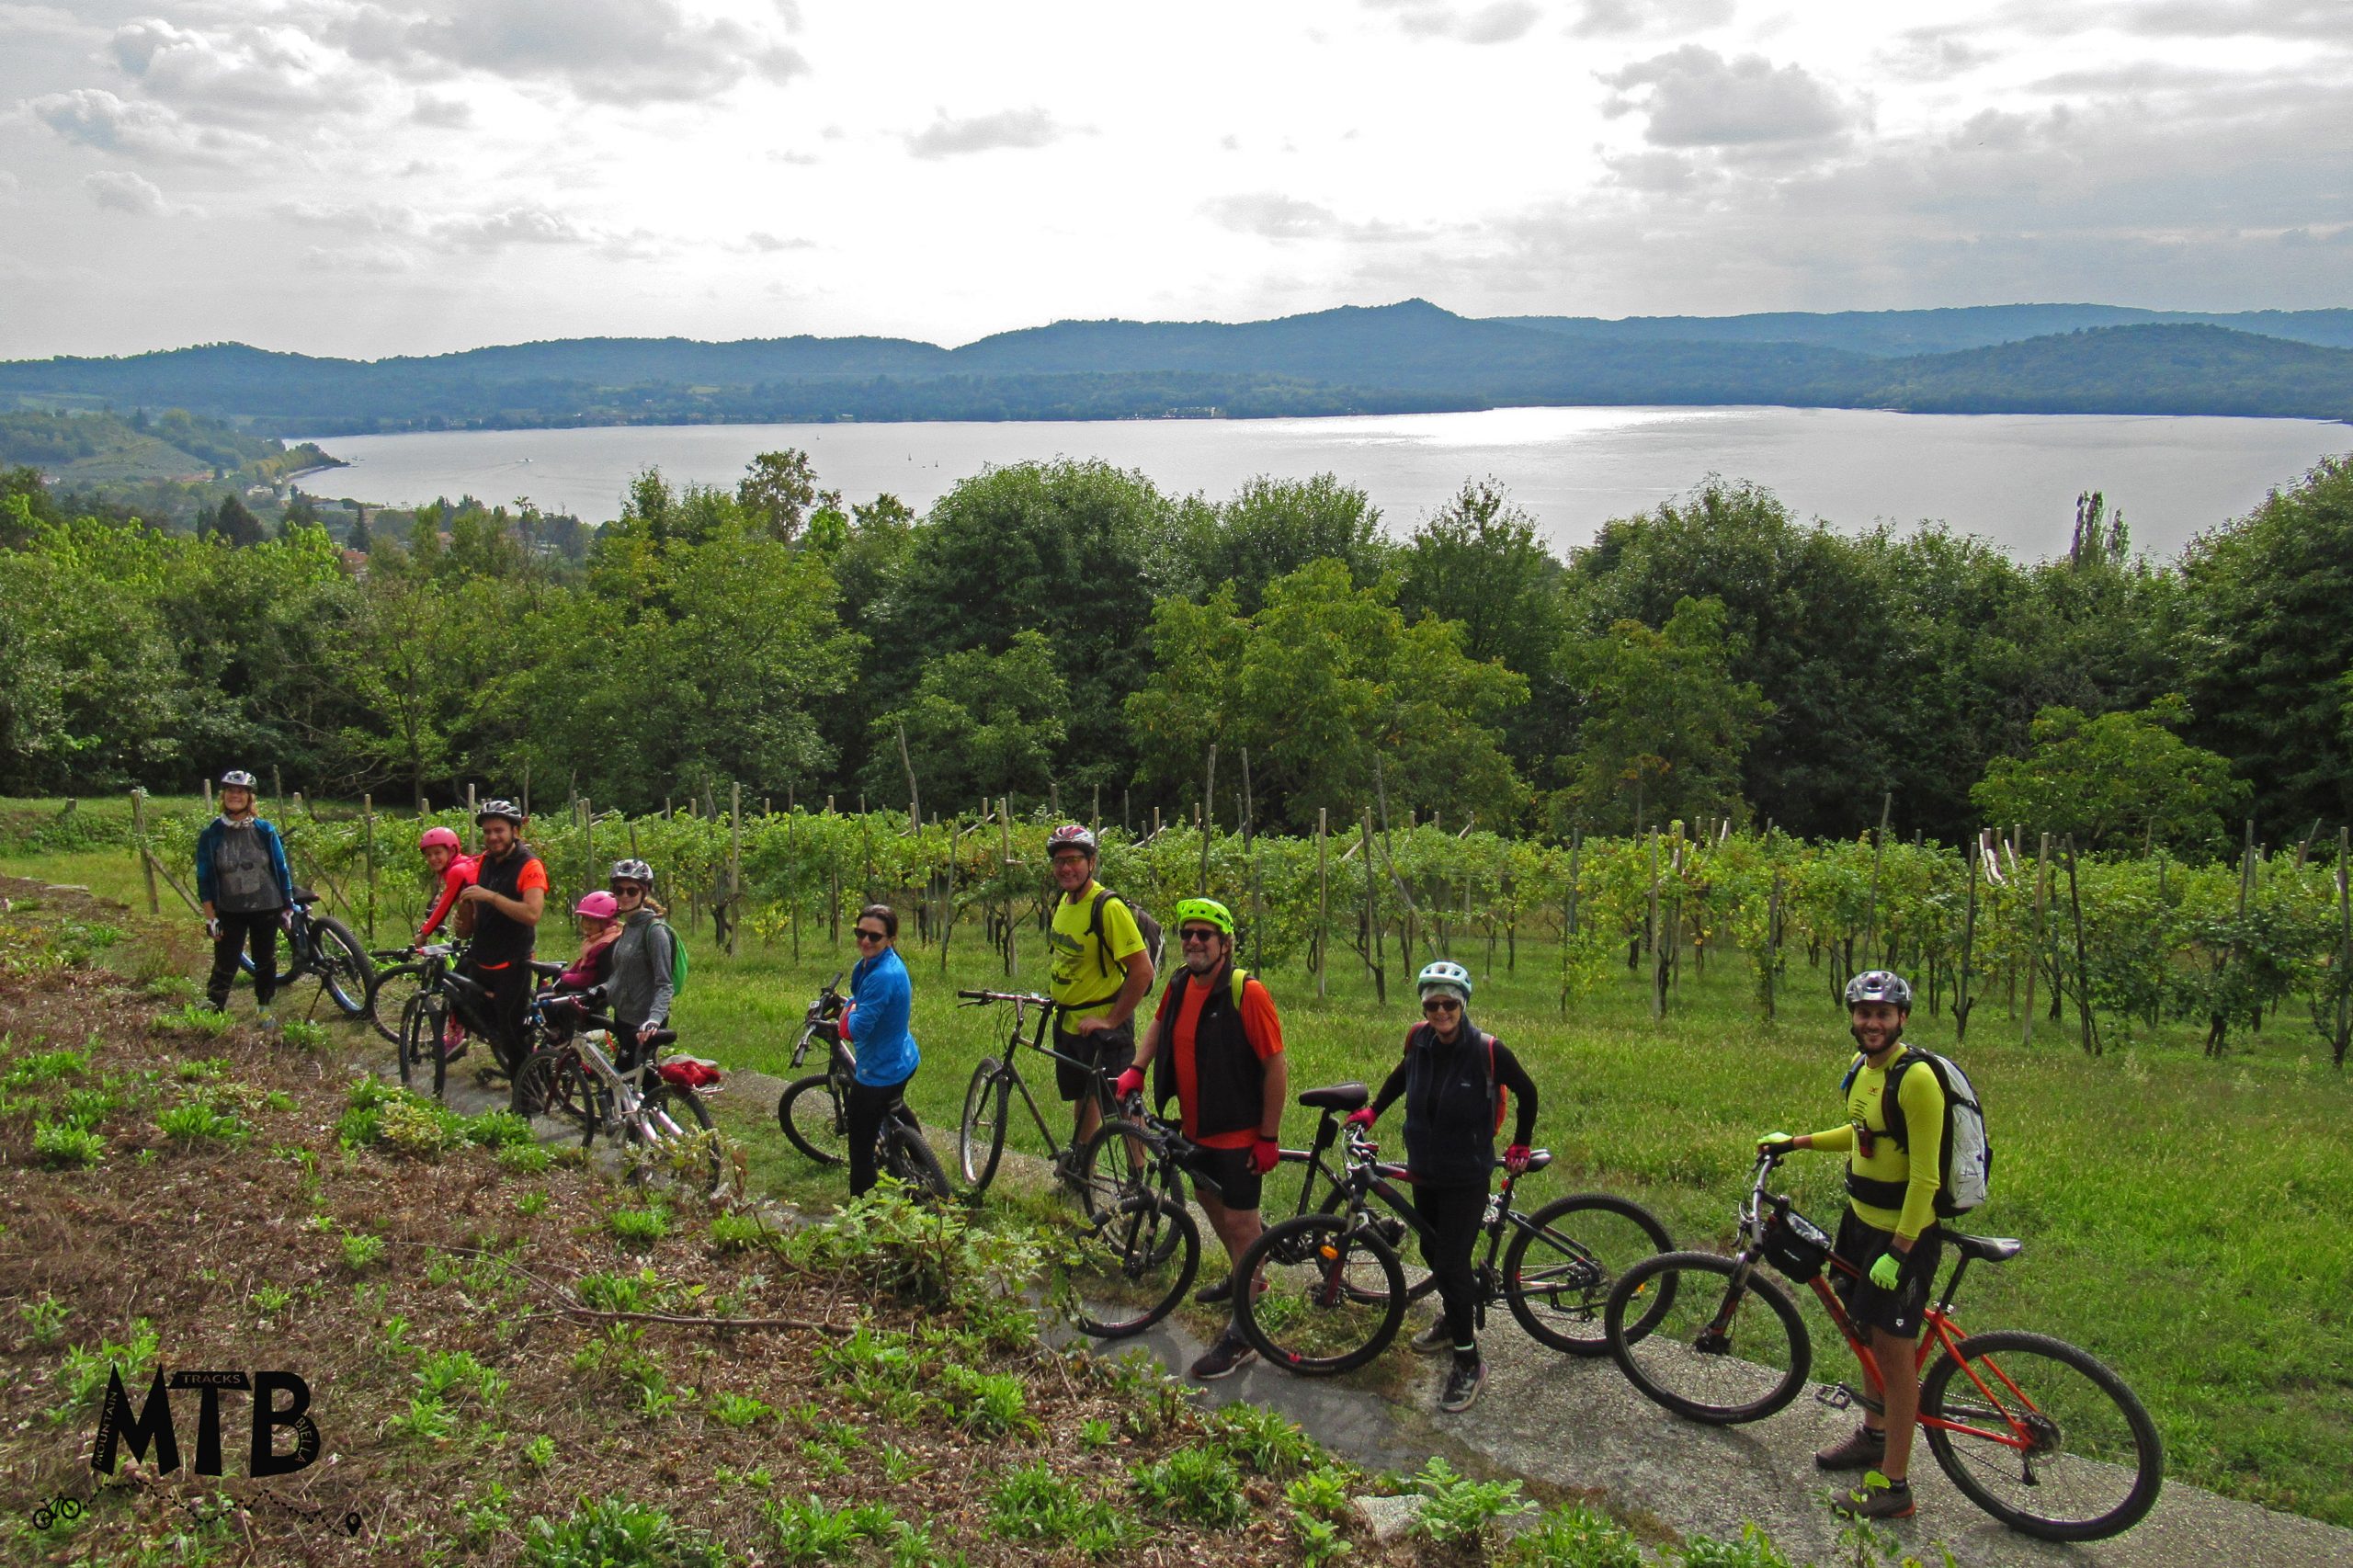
<point>1145,924</point>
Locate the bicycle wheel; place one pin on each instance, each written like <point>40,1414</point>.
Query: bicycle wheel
<point>672,1143</point>
<point>1411,1267</point>
<point>1127,1269</point>
<point>906,1153</point>
<point>552,1089</point>
<point>1558,1269</point>
<point>1717,1348</point>
<point>1117,1163</point>
<point>980,1136</point>
<point>2044,1436</point>
<point>344,967</point>
<point>422,1060</point>
<point>1334,1299</point>
<point>813,1120</point>
<point>389,992</point>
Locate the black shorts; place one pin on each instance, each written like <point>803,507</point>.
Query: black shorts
<point>1897,1311</point>
<point>1114,1051</point>
<point>1229,1177</point>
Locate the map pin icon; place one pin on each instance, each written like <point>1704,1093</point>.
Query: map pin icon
<point>351,1522</point>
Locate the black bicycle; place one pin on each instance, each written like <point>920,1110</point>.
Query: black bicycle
<point>814,1110</point>
<point>1335,1294</point>
<point>1134,1246</point>
<point>650,1107</point>
<point>988,1098</point>
<point>319,946</point>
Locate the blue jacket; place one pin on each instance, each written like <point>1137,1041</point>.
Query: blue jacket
<point>878,1029</point>
<point>209,841</point>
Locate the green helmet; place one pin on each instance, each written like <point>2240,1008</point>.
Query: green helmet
<point>1208,909</point>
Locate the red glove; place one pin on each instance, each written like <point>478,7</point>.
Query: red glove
<point>1515,1158</point>
<point>1265,1155</point>
<point>1128,1083</point>
<point>841,1025</point>
<point>1360,1117</point>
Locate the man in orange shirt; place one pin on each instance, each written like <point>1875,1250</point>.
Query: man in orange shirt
<point>1225,1065</point>
<point>501,912</point>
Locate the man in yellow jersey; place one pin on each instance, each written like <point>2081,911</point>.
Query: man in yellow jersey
<point>1890,1230</point>
<point>1101,972</point>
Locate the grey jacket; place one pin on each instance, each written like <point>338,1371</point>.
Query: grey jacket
<point>642,959</point>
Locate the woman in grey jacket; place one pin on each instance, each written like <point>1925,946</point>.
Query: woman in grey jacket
<point>246,888</point>
<point>644,959</point>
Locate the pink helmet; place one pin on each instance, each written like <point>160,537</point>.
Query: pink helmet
<point>598,906</point>
<point>446,838</point>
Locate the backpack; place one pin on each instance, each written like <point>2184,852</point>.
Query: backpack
<point>1967,1167</point>
<point>679,967</point>
<point>1145,924</point>
<point>1502,1096</point>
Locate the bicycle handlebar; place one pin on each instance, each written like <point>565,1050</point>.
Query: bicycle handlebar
<point>980,998</point>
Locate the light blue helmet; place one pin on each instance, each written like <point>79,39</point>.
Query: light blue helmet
<point>1444,974</point>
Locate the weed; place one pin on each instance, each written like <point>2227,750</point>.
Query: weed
<point>427,1420</point>
<point>420,1129</point>
<point>934,1256</point>
<point>899,1466</point>
<point>882,1357</point>
<point>45,1067</point>
<point>824,1461</point>
<point>989,1405</point>
<point>1095,1433</point>
<point>1321,1494</point>
<point>641,1227</point>
<point>87,1107</point>
<point>362,1250</point>
<point>447,1371</point>
<point>499,1130</point>
<point>539,1452</point>
<point>1571,1535</point>
<point>524,1159</point>
<point>1752,1549</point>
<point>1459,1509</point>
<point>66,1146</point>
<point>1034,1504</point>
<point>197,1122</point>
<point>369,1093</point>
<point>1262,1441</point>
<point>739,1410</point>
<point>614,1533</point>
<point>277,1099</point>
<point>202,1070</point>
<point>740,1232</point>
<point>393,1333</point>
<point>304,1034</point>
<point>44,1320</point>
<point>272,1300</point>
<point>486,1515</point>
<point>1202,1485</point>
<point>811,1532</point>
<point>620,1292</point>
<point>655,1401</point>
<point>358,1126</point>
<point>177,988</point>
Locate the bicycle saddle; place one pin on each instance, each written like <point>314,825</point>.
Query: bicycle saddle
<point>662,1037</point>
<point>1539,1158</point>
<point>1338,1097</point>
<point>305,897</point>
<point>1985,1249</point>
<point>547,969</point>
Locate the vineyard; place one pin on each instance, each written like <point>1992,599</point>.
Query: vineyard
<point>2089,950</point>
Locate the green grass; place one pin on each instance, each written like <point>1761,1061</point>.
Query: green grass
<point>2188,1221</point>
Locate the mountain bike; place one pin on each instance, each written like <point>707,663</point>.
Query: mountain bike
<point>2036,1432</point>
<point>321,947</point>
<point>980,1135</point>
<point>399,975</point>
<point>650,1107</point>
<point>1132,1246</point>
<point>814,1110</point>
<point>1336,1290</point>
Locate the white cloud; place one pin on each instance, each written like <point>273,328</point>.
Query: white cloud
<point>1021,128</point>
<point>1271,215</point>
<point>1609,18</point>
<point>761,241</point>
<point>1692,96</point>
<point>93,117</point>
<point>1497,22</point>
<point>123,192</point>
<point>239,73</point>
<point>442,114</point>
<point>376,263</point>
<point>624,51</point>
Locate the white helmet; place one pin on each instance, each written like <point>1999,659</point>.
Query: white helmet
<point>1879,985</point>
<point>1445,971</point>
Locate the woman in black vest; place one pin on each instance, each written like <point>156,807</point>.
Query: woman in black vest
<point>1448,1078</point>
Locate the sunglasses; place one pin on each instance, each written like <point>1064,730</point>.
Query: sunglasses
<point>628,889</point>
<point>1198,933</point>
<point>1441,1005</point>
<point>863,935</point>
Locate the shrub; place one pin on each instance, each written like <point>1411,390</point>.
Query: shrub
<point>931,1254</point>
<point>641,1227</point>
<point>1572,1536</point>
<point>304,1034</point>
<point>1459,1509</point>
<point>420,1129</point>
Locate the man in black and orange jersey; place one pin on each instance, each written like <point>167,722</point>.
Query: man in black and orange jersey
<point>1225,1065</point>
<point>500,911</point>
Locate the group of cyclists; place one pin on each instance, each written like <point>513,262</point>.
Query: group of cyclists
<point>1213,1043</point>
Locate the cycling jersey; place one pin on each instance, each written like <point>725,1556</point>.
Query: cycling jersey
<point>499,938</point>
<point>1874,1156</point>
<point>1231,1104</point>
<point>461,874</point>
<point>1089,970</point>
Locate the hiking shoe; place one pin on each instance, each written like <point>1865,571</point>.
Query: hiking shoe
<point>264,1019</point>
<point>1431,1340</point>
<point>450,1052</point>
<point>1863,1448</point>
<point>1229,1355</point>
<point>1892,1501</point>
<point>1463,1383</point>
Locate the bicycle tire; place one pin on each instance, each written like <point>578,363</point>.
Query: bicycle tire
<point>1582,1243</point>
<point>697,1167</point>
<point>346,971</point>
<point>2087,1436</point>
<point>421,1059</point>
<point>1680,1363</point>
<point>813,1120</point>
<point>1335,1296</point>
<point>907,1154</point>
<point>1394,1230</point>
<point>385,984</point>
<point>1109,1177</point>
<point>980,1133</point>
<point>553,1086</point>
<point>1123,1274</point>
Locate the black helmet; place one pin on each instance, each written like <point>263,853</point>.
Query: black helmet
<point>237,778</point>
<point>506,809</point>
<point>1879,985</point>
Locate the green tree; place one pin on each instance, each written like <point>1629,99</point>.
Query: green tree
<point>979,725</point>
<point>233,521</point>
<point>1478,561</point>
<point>777,489</point>
<point>1663,723</point>
<point>1273,527</point>
<point>2115,782</point>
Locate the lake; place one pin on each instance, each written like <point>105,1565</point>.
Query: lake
<point>2011,478</point>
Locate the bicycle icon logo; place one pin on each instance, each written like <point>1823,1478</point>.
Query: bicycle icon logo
<point>58,1510</point>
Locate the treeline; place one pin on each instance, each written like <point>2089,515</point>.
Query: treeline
<point>1053,630</point>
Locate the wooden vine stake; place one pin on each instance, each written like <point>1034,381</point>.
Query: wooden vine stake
<point>1372,920</point>
<point>1569,914</point>
<point>2344,947</point>
<point>139,833</point>
<point>1960,1003</point>
<point>367,847</point>
<point>1323,897</point>
<point>1879,853</point>
<point>1206,819</point>
<point>2083,964</point>
<point>2034,954</point>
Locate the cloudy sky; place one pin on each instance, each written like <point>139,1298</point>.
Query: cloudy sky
<point>383,176</point>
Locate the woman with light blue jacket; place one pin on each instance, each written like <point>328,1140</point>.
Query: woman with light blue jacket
<point>875,1024</point>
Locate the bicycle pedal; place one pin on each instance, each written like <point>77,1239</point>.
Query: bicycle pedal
<point>1391,1230</point>
<point>1837,1396</point>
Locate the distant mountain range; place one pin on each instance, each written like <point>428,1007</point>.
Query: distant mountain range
<point>1410,357</point>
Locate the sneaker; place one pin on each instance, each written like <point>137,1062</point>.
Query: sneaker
<point>1892,1501</point>
<point>1229,1355</point>
<point>1463,1382</point>
<point>264,1019</point>
<point>451,1051</point>
<point>1431,1340</point>
<point>1863,1448</point>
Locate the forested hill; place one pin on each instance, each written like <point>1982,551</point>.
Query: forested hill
<point>1404,357</point>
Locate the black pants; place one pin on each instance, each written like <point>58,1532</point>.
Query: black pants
<point>259,929</point>
<point>867,1104</point>
<point>1453,1214</point>
<point>510,996</point>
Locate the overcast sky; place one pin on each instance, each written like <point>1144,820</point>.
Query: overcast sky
<point>384,176</point>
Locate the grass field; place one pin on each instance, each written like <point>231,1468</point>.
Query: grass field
<point>2189,1221</point>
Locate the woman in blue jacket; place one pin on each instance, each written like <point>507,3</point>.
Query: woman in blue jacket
<point>875,1024</point>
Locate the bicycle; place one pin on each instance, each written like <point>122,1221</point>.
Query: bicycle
<point>646,1107</point>
<point>321,945</point>
<point>980,1132</point>
<point>1336,1291</point>
<point>814,1110</point>
<point>2036,1432</point>
<point>1135,1246</point>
